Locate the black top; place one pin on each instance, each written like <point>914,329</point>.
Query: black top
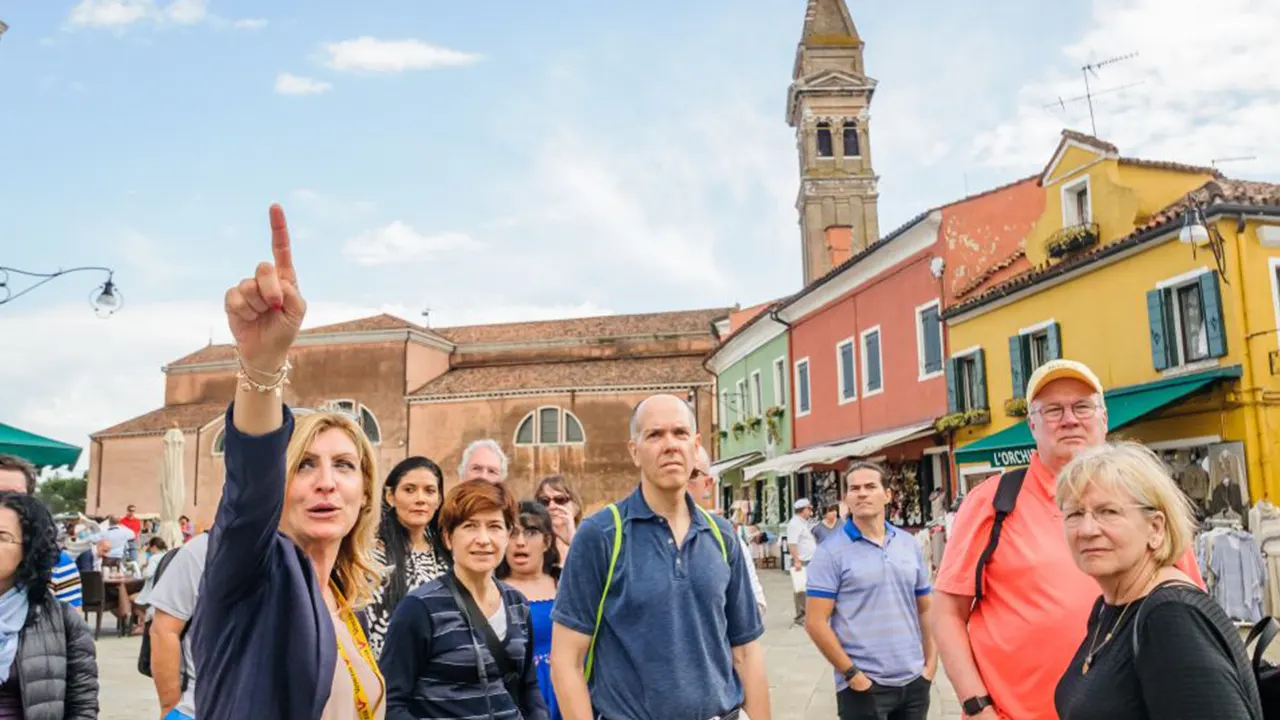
<point>1191,663</point>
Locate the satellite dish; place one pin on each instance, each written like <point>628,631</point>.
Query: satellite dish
<point>936,266</point>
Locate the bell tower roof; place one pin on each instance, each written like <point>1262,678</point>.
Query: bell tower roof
<point>827,23</point>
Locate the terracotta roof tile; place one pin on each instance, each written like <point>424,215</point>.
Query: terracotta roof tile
<point>377,322</point>
<point>1090,140</point>
<point>207,354</point>
<point>183,417</point>
<point>580,374</point>
<point>589,327</point>
<point>1222,191</point>
<point>1165,165</point>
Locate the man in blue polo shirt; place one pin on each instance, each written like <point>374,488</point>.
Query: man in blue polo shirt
<point>868,604</point>
<point>678,637</point>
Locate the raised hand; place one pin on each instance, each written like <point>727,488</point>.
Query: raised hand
<point>265,311</point>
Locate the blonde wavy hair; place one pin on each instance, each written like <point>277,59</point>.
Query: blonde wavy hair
<point>357,574</point>
<point>1128,468</point>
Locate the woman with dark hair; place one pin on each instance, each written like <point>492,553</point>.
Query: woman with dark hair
<point>48,661</point>
<point>408,539</point>
<point>532,566</point>
<point>461,646</point>
<point>560,499</point>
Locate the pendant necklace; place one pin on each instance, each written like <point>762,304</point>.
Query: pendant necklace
<point>1094,647</point>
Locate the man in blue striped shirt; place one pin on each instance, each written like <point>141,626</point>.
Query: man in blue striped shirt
<point>868,603</point>
<point>18,475</point>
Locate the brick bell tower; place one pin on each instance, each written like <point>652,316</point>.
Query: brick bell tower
<point>828,104</point>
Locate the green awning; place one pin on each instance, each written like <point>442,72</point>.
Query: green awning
<point>39,451</point>
<point>1012,446</point>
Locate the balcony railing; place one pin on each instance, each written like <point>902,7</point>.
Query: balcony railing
<point>1071,239</point>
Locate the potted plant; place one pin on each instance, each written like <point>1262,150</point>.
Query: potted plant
<point>1069,239</point>
<point>950,421</point>
<point>755,423</point>
<point>1015,407</point>
<point>979,416</point>
<point>739,428</point>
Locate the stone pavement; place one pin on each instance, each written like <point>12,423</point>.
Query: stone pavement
<point>800,682</point>
<point>801,686</point>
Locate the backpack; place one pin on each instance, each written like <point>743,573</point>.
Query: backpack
<point>144,653</point>
<point>1004,501</point>
<point>613,562</point>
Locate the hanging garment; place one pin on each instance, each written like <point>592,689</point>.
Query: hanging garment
<point>1240,575</point>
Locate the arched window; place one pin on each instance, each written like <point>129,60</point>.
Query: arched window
<point>359,412</point>
<point>823,140</point>
<point>220,442</point>
<point>851,148</point>
<point>550,426</point>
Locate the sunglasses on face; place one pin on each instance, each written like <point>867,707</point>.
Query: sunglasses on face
<point>555,500</point>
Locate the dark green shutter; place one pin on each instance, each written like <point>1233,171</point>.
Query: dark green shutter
<point>1054,332</point>
<point>980,373</point>
<point>1211,303</point>
<point>952,404</point>
<point>1157,323</point>
<point>1018,363</point>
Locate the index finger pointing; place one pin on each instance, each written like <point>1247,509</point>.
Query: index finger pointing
<point>280,247</point>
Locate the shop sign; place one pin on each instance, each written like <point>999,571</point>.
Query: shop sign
<point>1012,458</point>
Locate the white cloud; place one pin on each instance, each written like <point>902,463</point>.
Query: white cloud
<point>187,12</point>
<point>290,84</point>
<point>112,14</point>
<point>328,208</point>
<point>393,56</point>
<point>400,243</point>
<point>1208,87</point>
<point>250,24</point>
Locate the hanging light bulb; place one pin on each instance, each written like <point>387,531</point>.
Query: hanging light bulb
<point>1193,231</point>
<point>106,299</point>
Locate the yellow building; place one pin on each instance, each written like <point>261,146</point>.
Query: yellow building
<point>1182,334</point>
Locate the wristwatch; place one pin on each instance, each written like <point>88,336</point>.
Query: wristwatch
<point>848,674</point>
<point>975,705</point>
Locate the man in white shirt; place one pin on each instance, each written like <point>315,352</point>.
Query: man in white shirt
<point>801,544</point>
<point>701,482</point>
<point>173,600</point>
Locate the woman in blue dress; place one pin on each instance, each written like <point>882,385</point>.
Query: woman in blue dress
<point>532,567</point>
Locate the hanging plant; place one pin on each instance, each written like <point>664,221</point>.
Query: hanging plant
<point>755,423</point>
<point>739,429</point>
<point>775,429</point>
<point>724,434</point>
<point>1015,407</point>
<point>774,413</point>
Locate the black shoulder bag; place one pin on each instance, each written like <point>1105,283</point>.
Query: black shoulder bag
<point>1006,498</point>
<point>470,611</point>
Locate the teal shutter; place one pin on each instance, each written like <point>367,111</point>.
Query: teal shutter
<point>952,404</point>
<point>1018,362</point>
<point>1211,302</point>
<point>980,375</point>
<point>1054,332</point>
<point>1157,323</point>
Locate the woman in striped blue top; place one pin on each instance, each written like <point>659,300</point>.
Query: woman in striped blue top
<point>438,656</point>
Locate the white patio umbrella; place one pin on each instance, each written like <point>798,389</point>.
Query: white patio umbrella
<point>172,488</point>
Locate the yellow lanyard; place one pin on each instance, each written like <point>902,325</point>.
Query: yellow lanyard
<point>363,708</point>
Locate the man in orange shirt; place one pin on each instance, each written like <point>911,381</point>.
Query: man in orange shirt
<point>1005,653</point>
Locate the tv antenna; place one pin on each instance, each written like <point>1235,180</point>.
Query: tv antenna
<point>1089,94</point>
<point>426,314</point>
<point>1063,102</point>
<point>1241,158</point>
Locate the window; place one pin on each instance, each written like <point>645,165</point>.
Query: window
<point>1075,203</point>
<point>802,387</point>
<point>757,395</point>
<point>740,400</point>
<point>220,442</point>
<point>850,139</point>
<point>724,409</point>
<point>1031,348</point>
<point>780,382</point>
<point>357,411</point>
<point>967,382</point>
<point>872,367</point>
<point>847,373</point>
<point>929,340</point>
<point>550,426</point>
<point>1185,317</point>
<point>823,140</point>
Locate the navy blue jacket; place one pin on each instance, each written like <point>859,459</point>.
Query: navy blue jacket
<point>262,640</point>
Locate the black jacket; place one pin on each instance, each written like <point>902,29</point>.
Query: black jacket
<point>57,664</point>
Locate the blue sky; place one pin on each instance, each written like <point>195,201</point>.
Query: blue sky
<point>515,160</point>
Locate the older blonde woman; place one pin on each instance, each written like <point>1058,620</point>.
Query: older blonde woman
<point>1157,646</point>
<point>275,634</point>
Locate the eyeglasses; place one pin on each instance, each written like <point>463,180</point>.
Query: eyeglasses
<point>555,500</point>
<point>9,539</point>
<point>528,533</point>
<point>1082,410</point>
<point>1106,515</point>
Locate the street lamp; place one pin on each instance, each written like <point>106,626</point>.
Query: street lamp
<point>105,299</point>
<point>1197,232</point>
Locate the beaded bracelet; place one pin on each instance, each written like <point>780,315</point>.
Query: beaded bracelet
<point>275,381</point>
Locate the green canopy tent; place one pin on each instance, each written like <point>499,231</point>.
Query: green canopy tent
<point>39,451</point>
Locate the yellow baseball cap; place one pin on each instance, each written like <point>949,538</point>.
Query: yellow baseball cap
<point>1060,370</point>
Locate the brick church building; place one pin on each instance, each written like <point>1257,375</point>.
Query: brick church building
<point>556,394</point>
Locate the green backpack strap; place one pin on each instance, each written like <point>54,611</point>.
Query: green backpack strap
<point>608,580</point>
<point>715,530</point>
<point>613,563</point>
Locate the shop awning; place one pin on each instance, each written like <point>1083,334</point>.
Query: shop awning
<point>735,462</point>
<point>39,451</point>
<point>827,454</point>
<point>1012,446</point>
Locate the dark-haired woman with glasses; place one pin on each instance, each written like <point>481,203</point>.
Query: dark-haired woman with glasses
<point>560,499</point>
<point>408,539</point>
<point>532,566</point>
